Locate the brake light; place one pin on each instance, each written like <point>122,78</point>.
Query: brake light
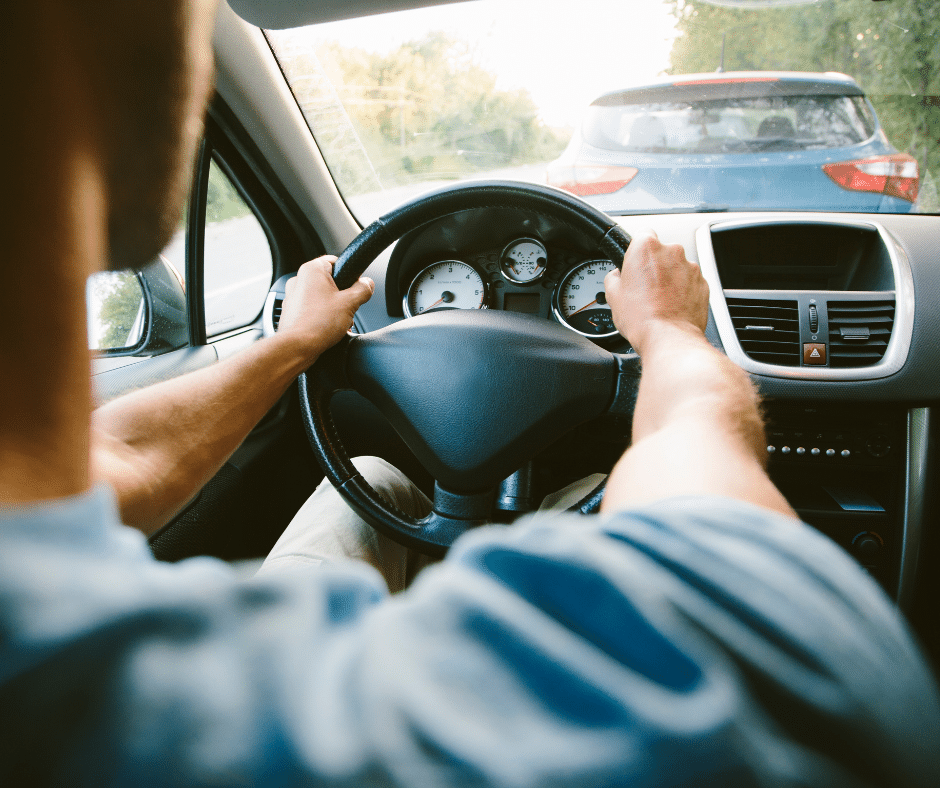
<point>896,175</point>
<point>587,180</point>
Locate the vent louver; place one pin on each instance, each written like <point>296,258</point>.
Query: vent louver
<point>276,312</point>
<point>859,332</point>
<point>768,329</point>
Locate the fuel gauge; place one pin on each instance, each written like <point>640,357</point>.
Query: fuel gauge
<point>523,261</point>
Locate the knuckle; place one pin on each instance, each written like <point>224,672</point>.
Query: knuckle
<point>649,242</point>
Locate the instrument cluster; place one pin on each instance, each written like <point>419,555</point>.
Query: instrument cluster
<point>524,276</point>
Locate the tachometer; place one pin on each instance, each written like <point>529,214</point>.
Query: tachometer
<point>449,284</point>
<point>581,302</point>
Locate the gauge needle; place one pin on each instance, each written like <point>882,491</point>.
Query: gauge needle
<point>583,308</point>
<point>439,300</point>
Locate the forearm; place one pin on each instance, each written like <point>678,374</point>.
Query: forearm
<point>158,446</point>
<point>686,379</point>
<point>697,428</point>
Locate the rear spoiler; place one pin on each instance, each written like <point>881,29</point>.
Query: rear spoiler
<point>718,87</point>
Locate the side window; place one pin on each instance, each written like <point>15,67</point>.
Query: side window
<point>238,265</point>
<point>146,313</point>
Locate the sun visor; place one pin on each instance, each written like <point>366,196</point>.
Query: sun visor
<point>280,14</point>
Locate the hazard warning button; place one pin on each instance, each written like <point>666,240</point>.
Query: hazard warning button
<point>814,354</point>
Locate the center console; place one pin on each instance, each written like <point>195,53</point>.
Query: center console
<point>828,300</point>
<point>851,472</point>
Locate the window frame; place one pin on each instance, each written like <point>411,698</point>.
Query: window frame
<point>290,235</point>
<point>214,157</point>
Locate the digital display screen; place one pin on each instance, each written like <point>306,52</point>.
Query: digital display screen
<point>522,302</point>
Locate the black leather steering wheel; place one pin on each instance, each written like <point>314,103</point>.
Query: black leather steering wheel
<point>519,383</point>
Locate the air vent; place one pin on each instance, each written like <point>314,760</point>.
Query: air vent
<point>276,312</point>
<point>859,332</point>
<point>767,329</point>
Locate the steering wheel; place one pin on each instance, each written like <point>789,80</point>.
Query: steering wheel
<point>504,385</point>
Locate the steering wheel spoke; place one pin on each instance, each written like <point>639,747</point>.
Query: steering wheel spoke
<point>328,374</point>
<point>627,386</point>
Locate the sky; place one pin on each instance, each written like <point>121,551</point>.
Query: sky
<point>564,59</point>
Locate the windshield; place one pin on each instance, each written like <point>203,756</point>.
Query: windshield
<point>635,105</point>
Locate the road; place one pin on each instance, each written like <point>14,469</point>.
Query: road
<point>238,271</point>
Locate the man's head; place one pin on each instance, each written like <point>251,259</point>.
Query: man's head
<point>152,74</point>
<point>126,82</point>
<point>151,67</point>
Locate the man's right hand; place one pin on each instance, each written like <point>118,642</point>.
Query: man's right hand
<point>657,285</point>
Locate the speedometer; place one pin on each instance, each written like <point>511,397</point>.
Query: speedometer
<point>581,301</point>
<point>449,284</point>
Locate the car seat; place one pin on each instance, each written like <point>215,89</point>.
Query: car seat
<point>647,132</point>
<point>776,126</point>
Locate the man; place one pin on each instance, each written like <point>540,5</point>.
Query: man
<point>695,634</point>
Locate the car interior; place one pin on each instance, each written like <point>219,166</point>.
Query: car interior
<point>836,316</point>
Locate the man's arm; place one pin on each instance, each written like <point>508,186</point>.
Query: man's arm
<point>697,427</point>
<point>158,446</point>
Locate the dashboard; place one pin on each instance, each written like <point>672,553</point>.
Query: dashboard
<point>912,379</point>
<point>848,435</point>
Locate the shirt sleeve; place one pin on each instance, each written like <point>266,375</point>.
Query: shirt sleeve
<point>697,642</point>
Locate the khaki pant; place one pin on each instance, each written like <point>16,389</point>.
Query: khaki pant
<point>326,529</point>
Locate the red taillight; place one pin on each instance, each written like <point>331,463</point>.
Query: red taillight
<point>586,180</point>
<point>896,176</point>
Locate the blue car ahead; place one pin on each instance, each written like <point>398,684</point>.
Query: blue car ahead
<point>737,141</point>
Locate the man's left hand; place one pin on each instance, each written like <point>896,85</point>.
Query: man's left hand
<point>315,313</point>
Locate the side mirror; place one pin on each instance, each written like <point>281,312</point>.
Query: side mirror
<point>167,323</point>
<point>141,313</point>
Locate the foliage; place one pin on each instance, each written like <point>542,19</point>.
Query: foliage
<point>120,296</point>
<point>222,199</point>
<point>427,108</point>
<point>892,49</point>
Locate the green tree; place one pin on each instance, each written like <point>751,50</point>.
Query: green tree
<point>891,49</point>
<point>222,199</point>
<point>427,107</point>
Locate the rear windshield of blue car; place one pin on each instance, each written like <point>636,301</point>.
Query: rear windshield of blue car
<point>740,125</point>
